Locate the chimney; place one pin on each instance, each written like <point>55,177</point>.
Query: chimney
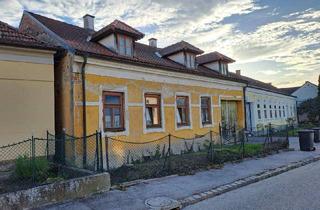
<point>88,22</point>
<point>152,42</point>
<point>238,72</point>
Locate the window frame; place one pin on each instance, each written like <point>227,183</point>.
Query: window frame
<point>158,105</point>
<point>125,38</point>
<point>209,110</point>
<point>121,106</point>
<point>187,110</point>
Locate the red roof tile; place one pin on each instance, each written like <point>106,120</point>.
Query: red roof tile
<point>180,46</point>
<point>145,55</point>
<point>212,57</point>
<point>11,36</point>
<point>117,26</point>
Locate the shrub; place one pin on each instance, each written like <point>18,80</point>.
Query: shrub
<point>25,166</point>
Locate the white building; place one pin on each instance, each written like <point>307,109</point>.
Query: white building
<point>307,91</point>
<point>266,104</point>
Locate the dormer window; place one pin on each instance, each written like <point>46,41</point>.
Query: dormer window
<point>190,60</point>
<point>215,61</point>
<point>118,37</point>
<point>125,46</point>
<point>182,53</point>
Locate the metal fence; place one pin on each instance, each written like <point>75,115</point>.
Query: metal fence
<point>170,154</point>
<point>38,161</point>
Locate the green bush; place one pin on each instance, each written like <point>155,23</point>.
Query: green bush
<point>25,166</point>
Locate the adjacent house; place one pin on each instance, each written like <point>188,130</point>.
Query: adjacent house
<point>109,81</point>
<point>307,91</point>
<point>26,86</point>
<point>266,104</point>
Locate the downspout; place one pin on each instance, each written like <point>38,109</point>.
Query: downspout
<point>84,110</point>
<point>245,107</point>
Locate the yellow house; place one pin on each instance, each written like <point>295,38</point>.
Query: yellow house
<point>135,92</point>
<point>26,86</point>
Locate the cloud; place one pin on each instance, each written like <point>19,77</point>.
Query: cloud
<point>291,40</point>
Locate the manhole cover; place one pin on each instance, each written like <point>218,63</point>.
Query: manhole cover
<point>162,203</point>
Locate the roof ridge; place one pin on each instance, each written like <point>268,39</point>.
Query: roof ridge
<point>63,22</point>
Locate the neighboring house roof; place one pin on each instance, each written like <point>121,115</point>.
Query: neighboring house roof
<point>291,90</point>
<point>117,26</point>
<point>12,37</point>
<point>259,85</point>
<point>77,38</point>
<point>212,57</point>
<point>180,46</point>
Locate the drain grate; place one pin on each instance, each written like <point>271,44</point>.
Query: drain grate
<point>162,203</point>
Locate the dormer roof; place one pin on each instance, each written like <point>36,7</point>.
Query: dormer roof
<point>180,46</point>
<point>212,57</point>
<point>117,26</point>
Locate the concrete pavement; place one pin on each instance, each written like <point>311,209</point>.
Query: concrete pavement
<point>296,189</point>
<point>179,187</point>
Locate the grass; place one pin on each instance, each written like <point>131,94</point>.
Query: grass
<point>184,164</point>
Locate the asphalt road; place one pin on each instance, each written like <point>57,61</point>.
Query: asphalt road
<point>296,189</point>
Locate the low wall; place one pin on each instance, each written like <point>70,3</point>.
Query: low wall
<point>56,192</point>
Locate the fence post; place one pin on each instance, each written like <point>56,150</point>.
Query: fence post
<point>169,150</point>
<point>287,133</point>
<point>107,152</point>
<point>101,153</point>
<point>220,135</point>
<point>243,143</point>
<point>63,147</point>
<point>47,145</point>
<point>212,144</point>
<point>33,159</point>
<point>97,151</point>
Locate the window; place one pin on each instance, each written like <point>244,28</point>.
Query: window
<point>205,110</point>
<point>113,111</point>
<point>224,68</point>
<point>270,107</point>
<point>125,45</point>
<point>280,111</point>
<point>265,111</point>
<point>153,110</point>
<point>190,60</point>
<point>259,111</point>
<point>284,113</point>
<point>275,112</point>
<point>182,114</point>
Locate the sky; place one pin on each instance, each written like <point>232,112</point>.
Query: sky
<point>275,41</point>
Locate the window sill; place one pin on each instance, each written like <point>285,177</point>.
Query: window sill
<point>154,130</point>
<point>183,127</point>
<point>207,125</point>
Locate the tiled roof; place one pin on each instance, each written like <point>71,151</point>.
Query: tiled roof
<point>77,38</point>
<point>117,26</point>
<point>258,84</point>
<point>180,46</point>
<point>289,90</point>
<point>213,56</point>
<point>12,37</point>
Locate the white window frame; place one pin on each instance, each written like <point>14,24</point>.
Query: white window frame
<point>175,111</point>
<point>153,130</point>
<point>124,90</point>
<point>211,109</point>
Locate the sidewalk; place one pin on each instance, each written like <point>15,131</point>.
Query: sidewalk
<point>179,187</point>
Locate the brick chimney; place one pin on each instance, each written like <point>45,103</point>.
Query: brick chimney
<point>152,42</point>
<point>88,22</point>
<point>238,72</point>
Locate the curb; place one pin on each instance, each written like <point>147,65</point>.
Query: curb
<point>195,198</point>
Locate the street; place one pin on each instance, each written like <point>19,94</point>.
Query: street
<point>296,189</point>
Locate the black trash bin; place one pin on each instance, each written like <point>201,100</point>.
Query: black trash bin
<point>306,138</point>
<point>316,134</point>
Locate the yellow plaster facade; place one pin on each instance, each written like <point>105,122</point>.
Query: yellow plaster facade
<point>27,94</point>
<point>98,80</point>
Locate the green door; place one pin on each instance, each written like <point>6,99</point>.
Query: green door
<point>228,114</point>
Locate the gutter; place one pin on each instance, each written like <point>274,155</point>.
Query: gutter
<point>84,110</point>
